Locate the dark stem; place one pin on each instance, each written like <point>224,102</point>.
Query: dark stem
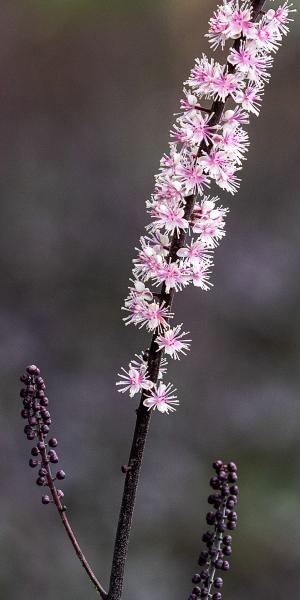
<point>62,513</point>
<point>154,359</point>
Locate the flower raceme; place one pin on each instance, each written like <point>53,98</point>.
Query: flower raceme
<point>201,154</point>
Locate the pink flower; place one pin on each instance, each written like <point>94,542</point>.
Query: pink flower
<point>143,310</point>
<point>240,23</point>
<point>203,75</point>
<point>136,311</point>
<point>195,252</point>
<point>227,179</point>
<point>139,291</point>
<point>214,162</point>
<point>234,143</point>
<point>201,276</point>
<point>155,316</point>
<point>194,129</point>
<point>266,38</point>
<point>172,343</point>
<point>247,61</point>
<point>163,398</point>
<point>234,118</point>
<point>135,379</point>
<point>136,307</point>
<point>250,98</point>
<point>169,216</point>
<point>159,242</point>
<point>190,103</point>
<point>218,31</point>
<point>279,18</point>
<point>209,221</point>
<point>226,84</point>
<point>168,163</point>
<point>167,188</point>
<point>173,275</point>
<point>193,178</point>
<point>147,263</point>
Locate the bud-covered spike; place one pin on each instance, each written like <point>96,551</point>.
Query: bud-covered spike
<point>217,541</point>
<point>38,418</point>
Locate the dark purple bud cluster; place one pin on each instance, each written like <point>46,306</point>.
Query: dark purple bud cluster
<point>35,412</point>
<point>221,518</point>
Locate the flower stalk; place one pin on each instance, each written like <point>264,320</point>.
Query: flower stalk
<point>208,146</point>
<point>247,95</point>
<point>43,454</point>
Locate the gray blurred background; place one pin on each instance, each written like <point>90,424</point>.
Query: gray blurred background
<point>87,95</point>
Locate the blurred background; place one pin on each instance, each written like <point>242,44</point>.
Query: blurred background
<point>88,89</point>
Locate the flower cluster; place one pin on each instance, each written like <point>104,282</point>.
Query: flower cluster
<point>203,150</point>
<point>136,379</point>
<point>232,20</point>
<point>218,543</point>
<point>35,412</point>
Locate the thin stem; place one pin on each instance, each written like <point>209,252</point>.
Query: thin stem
<point>70,533</point>
<point>218,537</point>
<point>155,355</point>
<point>62,513</point>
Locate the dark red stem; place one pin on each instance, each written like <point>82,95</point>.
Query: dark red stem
<point>62,513</point>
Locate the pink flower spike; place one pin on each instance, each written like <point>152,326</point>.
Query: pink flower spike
<point>163,398</point>
<point>172,343</point>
